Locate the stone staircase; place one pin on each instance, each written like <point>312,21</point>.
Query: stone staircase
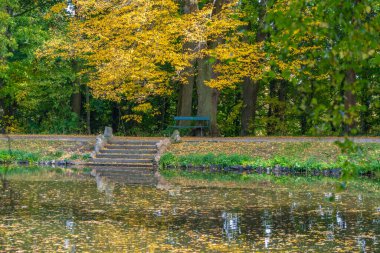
<point>127,153</point>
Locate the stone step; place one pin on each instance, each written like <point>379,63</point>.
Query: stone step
<point>132,142</point>
<point>125,156</point>
<point>121,169</point>
<point>107,164</point>
<point>129,179</point>
<point>123,161</point>
<point>134,181</point>
<point>129,151</point>
<point>124,175</point>
<point>138,171</point>
<point>139,147</point>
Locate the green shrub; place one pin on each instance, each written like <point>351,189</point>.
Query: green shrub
<point>74,157</point>
<point>86,157</point>
<point>5,156</point>
<point>16,155</point>
<point>169,159</point>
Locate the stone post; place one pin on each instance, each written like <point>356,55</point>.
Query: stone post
<point>102,140</point>
<point>108,133</point>
<point>175,138</point>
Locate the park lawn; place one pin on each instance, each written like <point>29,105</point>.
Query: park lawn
<point>305,155</point>
<point>44,150</point>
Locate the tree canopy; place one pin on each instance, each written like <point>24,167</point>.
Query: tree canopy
<point>268,67</point>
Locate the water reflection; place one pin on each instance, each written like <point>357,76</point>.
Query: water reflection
<point>104,185</point>
<point>231,226</point>
<point>267,224</point>
<point>361,245</point>
<point>107,177</point>
<point>70,225</point>
<point>68,246</point>
<point>340,220</point>
<point>111,212</point>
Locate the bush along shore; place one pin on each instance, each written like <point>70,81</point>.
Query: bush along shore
<point>277,166</point>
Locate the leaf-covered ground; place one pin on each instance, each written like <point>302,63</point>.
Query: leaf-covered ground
<point>28,149</point>
<point>302,151</point>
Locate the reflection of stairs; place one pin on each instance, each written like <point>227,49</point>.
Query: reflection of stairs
<point>125,175</point>
<point>128,153</point>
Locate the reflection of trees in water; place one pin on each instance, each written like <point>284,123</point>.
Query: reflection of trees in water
<point>68,244</point>
<point>340,220</point>
<point>193,218</point>
<point>361,245</point>
<point>267,225</point>
<point>231,226</point>
<point>8,196</point>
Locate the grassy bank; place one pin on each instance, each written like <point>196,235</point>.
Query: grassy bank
<point>297,155</point>
<point>44,150</point>
<point>231,180</point>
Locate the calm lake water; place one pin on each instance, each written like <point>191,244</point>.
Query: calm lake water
<point>72,211</point>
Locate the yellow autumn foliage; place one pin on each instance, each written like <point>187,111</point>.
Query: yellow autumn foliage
<point>129,44</point>
<point>136,49</point>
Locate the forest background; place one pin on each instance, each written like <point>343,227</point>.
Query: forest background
<point>255,67</point>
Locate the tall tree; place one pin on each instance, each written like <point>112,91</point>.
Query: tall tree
<point>185,96</point>
<point>256,22</point>
<point>346,42</point>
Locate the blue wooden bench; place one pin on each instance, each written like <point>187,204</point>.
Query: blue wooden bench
<point>198,120</point>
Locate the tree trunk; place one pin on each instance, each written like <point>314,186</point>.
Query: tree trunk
<point>2,109</point>
<point>305,125</point>
<point>250,92</point>
<point>207,97</point>
<point>115,117</point>
<point>349,101</point>
<point>270,121</point>
<point>281,108</point>
<point>277,106</point>
<point>365,114</point>
<point>190,6</point>
<point>88,110</point>
<point>185,99</point>
<point>251,89</point>
<point>164,107</point>
<point>2,103</point>
<point>76,101</point>
<point>76,97</point>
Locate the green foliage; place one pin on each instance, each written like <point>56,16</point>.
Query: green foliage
<point>356,164</point>
<point>6,157</point>
<point>86,157</point>
<point>310,46</point>
<point>74,157</point>
<point>18,155</point>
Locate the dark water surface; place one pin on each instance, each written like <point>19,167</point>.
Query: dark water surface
<point>70,211</point>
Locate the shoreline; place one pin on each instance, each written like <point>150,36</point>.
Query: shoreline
<point>241,181</point>
<point>68,137</point>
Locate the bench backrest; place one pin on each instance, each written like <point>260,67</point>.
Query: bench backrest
<point>197,118</point>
